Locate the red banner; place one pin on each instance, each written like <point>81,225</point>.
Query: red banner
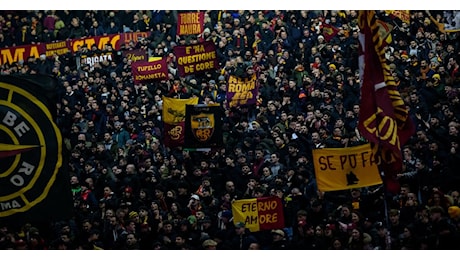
<point>144,71</point>
<point>24,52</point>
<point>190,23</point>
<point>196,58</point>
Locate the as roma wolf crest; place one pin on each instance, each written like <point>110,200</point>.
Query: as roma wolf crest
<point>203,126</point>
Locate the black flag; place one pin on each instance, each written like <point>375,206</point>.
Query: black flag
<point>33,186</point>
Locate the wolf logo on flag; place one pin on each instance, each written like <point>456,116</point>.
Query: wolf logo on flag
<point>203,126</point>
<point>203,123</point>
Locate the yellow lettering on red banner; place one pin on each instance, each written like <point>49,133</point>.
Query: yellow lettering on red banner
<point>386,128</point>
<point>11,55</point>
<point>189,23</point>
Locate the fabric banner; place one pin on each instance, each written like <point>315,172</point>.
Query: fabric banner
<point>383,119</point>
<point>242,91</point>
<point>33,186</point>
<point>135,55</point>
<point>24,52</point>
<point>329,32</point>
<point>190,23</point>
<point>196,58</point>
<point>96,58</point>
<point>452,19</point>
<point>403,15</point>
<point>144,71</point>
<point>174,120</point>
<point>345,168</point>
<point>259,213</point>
<point>203,126</point>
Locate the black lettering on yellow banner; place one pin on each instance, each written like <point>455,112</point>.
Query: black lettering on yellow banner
<point>345,168</point>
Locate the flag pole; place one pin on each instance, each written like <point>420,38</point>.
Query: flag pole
<point>387,218</point>
<point>365,27</point>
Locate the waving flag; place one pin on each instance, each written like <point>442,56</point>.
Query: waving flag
<point>452,24</point>
<point>34,187</point>
<point>383,119</point>
<point>403,15</point>
<point>329,31</point>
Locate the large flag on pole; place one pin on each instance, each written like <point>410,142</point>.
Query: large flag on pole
<point>383,118</point>
<point>33,186</point>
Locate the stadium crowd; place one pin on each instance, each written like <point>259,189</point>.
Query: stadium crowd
<point>131,191</point>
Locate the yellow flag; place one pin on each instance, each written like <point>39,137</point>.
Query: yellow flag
<point>174,109</point>
<point>345,168</point>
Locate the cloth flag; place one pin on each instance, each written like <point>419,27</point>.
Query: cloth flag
<point>345,168</point>
<point>452,24</point>
<point>190,23</point>
<point>34,186</point>
<point>329,31</point>
<point>403,15</point>
<point>259,213</point>
<point>383,119</point>
<point>242,91</point>
<point>146,71</point>
<point>174,119</point>
<point>203,126</point>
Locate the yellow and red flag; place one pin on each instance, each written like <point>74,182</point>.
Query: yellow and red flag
<point>174,119</point>
<point>329,31</point>
<point>259,213</point>
<point>383,119</point>
<point>403,15</point>
<point>452,23</point>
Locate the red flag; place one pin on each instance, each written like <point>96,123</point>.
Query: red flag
<point>383,119</point>
<point>329,31</point>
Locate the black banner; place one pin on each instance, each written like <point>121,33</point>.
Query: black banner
<point>33,187</point>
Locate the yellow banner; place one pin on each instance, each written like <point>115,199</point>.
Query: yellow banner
<point>174,109</point>
<point>345,168</point>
